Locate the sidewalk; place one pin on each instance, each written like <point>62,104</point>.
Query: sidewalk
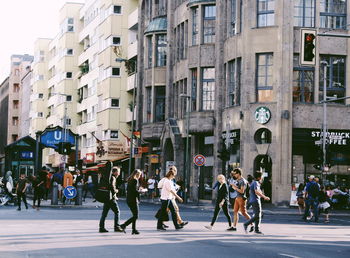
<point>206,205</point>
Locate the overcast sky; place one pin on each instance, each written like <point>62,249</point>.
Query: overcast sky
<point>21,23</point>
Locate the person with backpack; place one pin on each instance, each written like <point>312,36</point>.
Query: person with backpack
<point>241,198</point>
<point>133,199</point>
<point>312,192</point>
<point>109,181</point>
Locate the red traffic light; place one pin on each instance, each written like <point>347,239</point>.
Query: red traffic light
<point>309,37</point>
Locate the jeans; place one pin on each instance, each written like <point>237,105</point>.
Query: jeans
<point>134,208</point>
<point>90,188</point>
<point>311,202</point>
<point>168,204</point>
<point>22,196</point>
<point>111,205</point>
<point>225,210</point>
<point>256,217</point>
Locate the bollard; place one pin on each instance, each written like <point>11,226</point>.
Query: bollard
<point>79,197</point>
<point>54,199</point>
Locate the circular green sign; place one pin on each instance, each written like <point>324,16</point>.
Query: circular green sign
<point>262,115</point>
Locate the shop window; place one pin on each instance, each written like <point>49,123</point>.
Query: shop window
<point>264,77</point>
<point>333,14</point>
<point>304,13</point>
<point>266,13</point>
<point>263,136</point>
<point>209,17</point>
<point>335,77</point>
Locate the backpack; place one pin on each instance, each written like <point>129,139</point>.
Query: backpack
<point>103,192</point>
<point>314,190</point>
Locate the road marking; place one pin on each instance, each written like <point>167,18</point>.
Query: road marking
<point>288,255</point>
<point>299,243</point>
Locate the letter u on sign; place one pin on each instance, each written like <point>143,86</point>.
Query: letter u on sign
<point>58,135</point>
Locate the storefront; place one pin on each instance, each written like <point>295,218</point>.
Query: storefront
<point>308,155</point>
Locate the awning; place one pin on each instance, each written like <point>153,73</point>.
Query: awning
<point>157,25</point>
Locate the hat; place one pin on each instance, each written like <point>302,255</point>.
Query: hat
<point>311,177</point>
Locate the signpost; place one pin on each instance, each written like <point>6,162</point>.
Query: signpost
<point>199,160</point>
<point>70,192</point>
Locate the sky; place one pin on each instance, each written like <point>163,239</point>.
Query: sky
<point>21,23</point>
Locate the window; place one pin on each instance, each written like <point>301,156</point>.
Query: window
<point>161,7</point>
<point>233,82</point>
<point>161,46</point>
<point>194,79</point>
<point>263,136</point>
<point>304,13</point>
<point>333,14</point>
<point>115,103</point>
<point>15,104</point>
<point>303,82</point>
<point>69,75</point>
<point>114,134</point>
<point>40,114</point>
<point>160,104</point>
<point>115,71</point>
<point>116,41</point>
<point>149,52</point>
<point>233,15</point>
<point>195,27</point>
<point>70,24</point>
<point>266,13</point>
<point>15,120</point>
<point>148,104</point>
<point>69,51</point>
<point>209,16</point>
<point>40,95</point>
<point>14,137</point>
<point>117,9</point>
<point>69,98</point>
<point>264,77</point>
<point>335,77</point>
<point>68,121</point>
<point>15,87</point>
<point>208,88</point>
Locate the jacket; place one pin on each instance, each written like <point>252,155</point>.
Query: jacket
<point>114,188</point>
<point>132,191</point>
<point>222,193</point>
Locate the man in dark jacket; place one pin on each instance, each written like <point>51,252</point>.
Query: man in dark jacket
<point>112,204</point>
<point>312,191</point>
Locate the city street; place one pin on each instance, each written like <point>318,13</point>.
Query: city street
<point>54,232</point>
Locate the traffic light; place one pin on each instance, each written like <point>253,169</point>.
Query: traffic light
<point>308,47</point>
<point>317,167</point>
<point>224,154</point>
<point>64,148</point>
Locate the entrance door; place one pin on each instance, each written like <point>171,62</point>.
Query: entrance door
<point>28,170</point>
<point>263,163</point>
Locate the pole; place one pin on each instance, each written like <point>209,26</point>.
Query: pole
<point>187,158</point>
<point>324,127</point>
<point>132,122</point>
<point>76,152</point>
<point>37,150</point>
<point>65,133</point>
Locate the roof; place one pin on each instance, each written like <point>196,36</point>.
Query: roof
<point>24,141</point>
<point>157,25</point>
<point>191,2</point>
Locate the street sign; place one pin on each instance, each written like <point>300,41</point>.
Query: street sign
<point>199,160</point>
<point>51,137</point>
<point>70,192</point>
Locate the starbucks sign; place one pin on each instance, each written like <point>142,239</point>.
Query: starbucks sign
<point>262,115</point>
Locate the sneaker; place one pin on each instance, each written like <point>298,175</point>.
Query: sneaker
<point>165,226</point>
<point>258,232</point>
<point>209,227</point>
<point>231,229</point>
<point>184,223</point>
<point>103,230</point>
<point>119,229</point>
<point>135,232</point>
<point>245,228</point>
<point>179,228</point>
<point>251,229</point>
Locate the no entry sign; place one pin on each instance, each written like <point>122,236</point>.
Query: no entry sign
<point>199,160</point>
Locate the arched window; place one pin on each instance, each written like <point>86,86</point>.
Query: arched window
<point>262,136</point>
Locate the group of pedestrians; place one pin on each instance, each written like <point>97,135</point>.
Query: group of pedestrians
<point>241,191</point>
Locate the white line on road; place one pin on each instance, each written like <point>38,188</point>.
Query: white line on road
<point>288,255</point>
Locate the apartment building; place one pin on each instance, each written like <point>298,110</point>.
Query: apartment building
<point>234,65</point>
<point>4,96</point>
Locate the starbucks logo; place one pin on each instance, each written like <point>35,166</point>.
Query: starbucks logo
<point>262,115</point>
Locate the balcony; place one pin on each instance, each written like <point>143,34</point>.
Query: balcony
<point>132,49</point>
<point>131,82</point>
<point>133,20</point>
<point>129,115</point>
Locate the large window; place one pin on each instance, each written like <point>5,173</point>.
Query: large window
<point>194,79</point>
<point>335,77</point>
<point>161,7</point>
<point>303,82</point>
<point>264,78</point>
<point>233,82</point>
<point>160,104</point>
<point>304,13</point>
<point>266,13</point>
<point>233,19</point>
<point>333,14</point>
<point>161,46</point>
<point>208,88</point>
<point>209,16</point>
<point>195,27</point>
<point>149,52</point>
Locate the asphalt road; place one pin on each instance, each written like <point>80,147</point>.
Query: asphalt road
<point>73,232</point>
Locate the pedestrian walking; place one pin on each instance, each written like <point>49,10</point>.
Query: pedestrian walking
<point>132,200</point>
<point>312,191</point>
<point>37,185</point>
<point>254,199</point>
<point>67,181</point>
<point>300,198</point>
<point>240,203</point>
<point>151,182</point>
<point>112,204</point>
<point>167,191</point>
<point>58,179</point>
<point>89,187</point>
<point>21,191</point>
<point>232,192</point>
<point>48,184</point>
<point>324,206</point>
<point>221,203</point>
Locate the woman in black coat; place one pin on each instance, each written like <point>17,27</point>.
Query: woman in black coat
<point>133,199</point>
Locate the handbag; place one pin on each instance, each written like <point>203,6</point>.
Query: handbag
<point>324,205</point>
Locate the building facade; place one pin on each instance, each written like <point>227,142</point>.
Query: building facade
<point>4,95</point>
<point>234,66</point>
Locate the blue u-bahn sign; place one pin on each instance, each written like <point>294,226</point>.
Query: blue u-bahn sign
<point>51,137</point>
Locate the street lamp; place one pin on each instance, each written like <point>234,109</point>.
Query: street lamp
<point>187,158</point>
<point>127,64</point>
